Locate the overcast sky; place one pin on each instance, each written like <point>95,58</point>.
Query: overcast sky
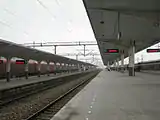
<point>25,21</point>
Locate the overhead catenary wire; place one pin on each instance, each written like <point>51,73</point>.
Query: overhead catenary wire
<point>10,26</point>
<point>45,7</point>
<point>9,12</point>
<point>5,24</point>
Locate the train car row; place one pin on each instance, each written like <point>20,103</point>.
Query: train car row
<point>18,68</point>
<point>148,65</point>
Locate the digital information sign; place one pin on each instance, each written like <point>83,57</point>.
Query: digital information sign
<point>111,51</point>
<point>20,62</point>
<point>153,50</point>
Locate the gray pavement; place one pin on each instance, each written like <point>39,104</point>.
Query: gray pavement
<point>115,96</point>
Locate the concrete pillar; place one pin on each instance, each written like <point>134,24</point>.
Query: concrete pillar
<point>39,69</point>
<point>60,68</point>
<point>81,67</point>
<point>108,66</point>
<point>64,68</point>
<point>78,67</point>
<point>48,68</point>
<point>55,68</point>
<point>68,67</point>
<point>122,61</point>
<point>117,64</point>
<point>8,69</point>
<point>131,59</point>
<point>84,68</point>
<point>26,69</point>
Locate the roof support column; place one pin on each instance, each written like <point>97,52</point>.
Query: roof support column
<point>48,68</point>
<point>108,66</point>
<point>122,61</point>
<point>26,69</point>
<point>84,68</point>
<point>8,69</point>
<point>66,68</point>
<point>78,67</point>
<point>55,49</point>
<point>60,68</point>
<point>131,59</point>
<point>117,64</point>
<point>55,68</point>
<point>39,69</point>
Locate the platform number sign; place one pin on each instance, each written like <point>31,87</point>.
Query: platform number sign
<point>153,50</point>
<point>111,51</point>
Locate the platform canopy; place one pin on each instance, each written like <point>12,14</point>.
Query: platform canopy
<point>10,49</point>
<point>117,23</point>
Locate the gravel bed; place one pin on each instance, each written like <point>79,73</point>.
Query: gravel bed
<point>22,108</point>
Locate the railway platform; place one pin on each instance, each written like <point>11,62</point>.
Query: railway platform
<point>115,96</point>
<point>15,82</point>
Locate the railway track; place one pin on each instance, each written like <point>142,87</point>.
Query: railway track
<point>14,94</point>
<point>47,112</point>
<point>28,91</point>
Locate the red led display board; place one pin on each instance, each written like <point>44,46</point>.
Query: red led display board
<point>153,50</point>
<point>20,61</point>
<point>111,51</point>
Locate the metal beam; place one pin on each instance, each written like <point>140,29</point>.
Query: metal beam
<point>124,10</point>
<point>48,44</point>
